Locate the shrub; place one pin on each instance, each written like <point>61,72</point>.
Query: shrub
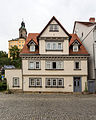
<point>3,85</point>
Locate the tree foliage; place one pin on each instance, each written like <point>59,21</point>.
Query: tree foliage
<point>14,52</point>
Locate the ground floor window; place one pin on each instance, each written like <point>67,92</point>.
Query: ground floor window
<point>35,82</point>
<point>15,81</point>
<point>55,82</point>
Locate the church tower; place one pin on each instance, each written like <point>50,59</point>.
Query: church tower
<point>22,31</point>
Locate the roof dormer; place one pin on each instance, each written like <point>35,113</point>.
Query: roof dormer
<point>32,45</point>
<point>76,45</point>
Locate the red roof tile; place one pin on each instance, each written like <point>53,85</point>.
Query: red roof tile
<point>31,36</point>
<point>81,50</point>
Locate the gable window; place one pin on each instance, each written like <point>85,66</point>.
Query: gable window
<point>32,48</point>
<point>54,82</point>
<point>35,82</point>
<point>54,28</point>
<point>54,46</point>
<point>77,65</point>
<point>34,65</point>
<point>15,81</point>
<point>55,65</point>
<point>75,48</point>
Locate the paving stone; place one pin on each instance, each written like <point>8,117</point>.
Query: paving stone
<point>47,107</point>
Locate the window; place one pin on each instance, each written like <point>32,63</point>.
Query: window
<point>19,45</point>
<point>59,46</point>
<point>35,82</point>
<point>54,82</point>
<point>34,65</point>
<point>75,48</point>
<point>54,46</point>
<point>15,82</point>
<point>77,65</point>
<point>32,48</point>
<point>54,28</point>
<point>55,65</point>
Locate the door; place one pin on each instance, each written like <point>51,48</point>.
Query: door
<point>77,84</point>
<point>91,86</point>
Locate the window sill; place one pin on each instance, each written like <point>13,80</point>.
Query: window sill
<point>15,86</point>
<point>34,69</point>
<point>35,86</point>
<point>54,69</point>
<point>53,30</point>
<point>77,69</point>
<point>54,86</point>
<point>55,50</point>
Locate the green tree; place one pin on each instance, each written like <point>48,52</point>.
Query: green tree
<point>14,52</point>
<point>4,60</point>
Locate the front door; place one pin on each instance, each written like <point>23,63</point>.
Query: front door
<point>91,86</point>
<point>77,84</point>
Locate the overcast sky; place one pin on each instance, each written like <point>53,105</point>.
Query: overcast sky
<point>37,13</point>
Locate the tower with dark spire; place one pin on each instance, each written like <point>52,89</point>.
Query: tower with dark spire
<point>22,31</point>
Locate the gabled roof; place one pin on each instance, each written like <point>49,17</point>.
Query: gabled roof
<point>82,50</point>
<point>31,42</point>
<point>88,24</point>
<point>53,18</point>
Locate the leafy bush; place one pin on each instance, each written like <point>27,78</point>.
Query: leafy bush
<point>3,85</point>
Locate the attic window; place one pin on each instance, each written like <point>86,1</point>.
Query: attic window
<point>54,28</point>
<point>75,48</point>
<point>32,48</point>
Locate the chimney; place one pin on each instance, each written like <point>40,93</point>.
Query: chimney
<point>92,20</point>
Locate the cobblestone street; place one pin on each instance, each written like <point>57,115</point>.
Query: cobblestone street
<point>47,107</point>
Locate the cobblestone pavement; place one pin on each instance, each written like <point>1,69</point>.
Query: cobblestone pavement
<point>47,107</point>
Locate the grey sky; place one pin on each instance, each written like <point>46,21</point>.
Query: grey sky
<point>37,13</point>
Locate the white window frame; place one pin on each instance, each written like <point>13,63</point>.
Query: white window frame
<point>35,82</point>
<point>62,82</point>
<point>75,65</point>
<point>57,82</point>
<point>34,63</point>
<point>31,81</point>
<point>54,28</point>
<point>15,78</point>
<point>53,46</point>
<point>75,48</point>
<point>57,65</point>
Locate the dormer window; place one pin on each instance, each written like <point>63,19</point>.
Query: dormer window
<point>54,28</point>
<point>32,48</point>
<point>75,48</point>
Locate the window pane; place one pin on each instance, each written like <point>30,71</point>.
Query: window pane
<point>32,48</point>
<point>51,27</point>
<point>54,46</point>
<point>59,46</point>
<point>60,82</point>
<point>48,46</point>
<point>56,27</point>
<point>38,82</point>
<point>54,65</point>
<point>54,82</point>
<point>37,65</point>
<point>48,65</point>
<point>32,82</point>
<point>76,65</point>
<point>15,81</point>
<point>32,65</point>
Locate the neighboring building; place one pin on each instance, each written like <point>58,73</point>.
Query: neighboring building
<point>87,34</point>
<point>19,41</point>
<point>52,61</point>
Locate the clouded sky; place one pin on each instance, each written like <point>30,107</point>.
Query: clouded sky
<point>37,13</point>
